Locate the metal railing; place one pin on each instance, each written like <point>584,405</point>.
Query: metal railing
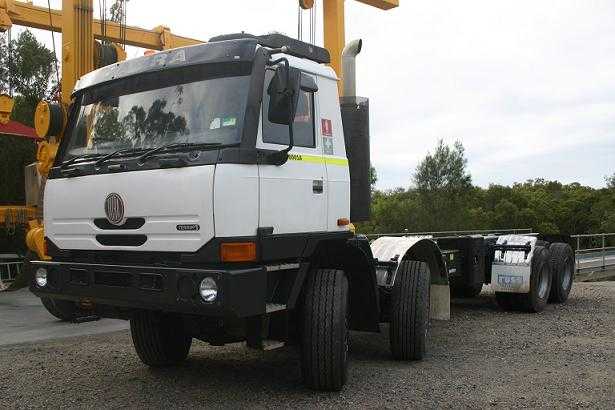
<point>594,252</point>
<point>9,271</point>
<point>446,234</point>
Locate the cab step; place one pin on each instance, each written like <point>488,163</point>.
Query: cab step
<point>269,344</point>
<point>274,307</point>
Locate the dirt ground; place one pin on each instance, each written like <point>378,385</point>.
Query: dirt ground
<point>483,357</point>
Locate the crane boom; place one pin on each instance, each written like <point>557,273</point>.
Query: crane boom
<point>29,15</point>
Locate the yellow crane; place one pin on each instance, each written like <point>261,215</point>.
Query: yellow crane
<point>79,31</point>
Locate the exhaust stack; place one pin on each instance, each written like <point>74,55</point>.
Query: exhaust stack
<point>349,54</point>
<point>355,118</point>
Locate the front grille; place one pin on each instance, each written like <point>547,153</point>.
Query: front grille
<point>121,240</point>
<point>131,223</point>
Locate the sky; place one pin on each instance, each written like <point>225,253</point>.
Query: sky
<point>528,87</point>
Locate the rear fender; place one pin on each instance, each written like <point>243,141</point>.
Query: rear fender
<point>418,248</point>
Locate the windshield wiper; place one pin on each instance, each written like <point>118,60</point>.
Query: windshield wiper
<point>100,161</point>
<point>182,145</point>
<point>78,158</point>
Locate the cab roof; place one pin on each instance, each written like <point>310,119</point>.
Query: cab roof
<point>240,47</point>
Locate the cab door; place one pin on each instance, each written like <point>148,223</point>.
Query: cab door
<point>293,196</point>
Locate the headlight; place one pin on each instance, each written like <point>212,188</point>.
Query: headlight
<point>208,290</point>
<point>41,277</point>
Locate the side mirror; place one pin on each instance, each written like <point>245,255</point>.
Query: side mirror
<point>283,93</point>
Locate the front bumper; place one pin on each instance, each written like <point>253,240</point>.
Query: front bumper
<point>241,292</point>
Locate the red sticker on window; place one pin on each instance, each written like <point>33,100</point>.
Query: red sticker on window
<point>327,128</point>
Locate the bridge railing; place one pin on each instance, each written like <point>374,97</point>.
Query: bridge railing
<point>446,234</point>
<point>594,252</point>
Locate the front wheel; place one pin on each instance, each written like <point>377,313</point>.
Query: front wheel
<point>325,339</point>
<point>159,339</point>
<point>410,311</point>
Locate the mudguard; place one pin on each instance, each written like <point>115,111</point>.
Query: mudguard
<point>421,248</point>
<point>392,250</point>
<point>512,267</point>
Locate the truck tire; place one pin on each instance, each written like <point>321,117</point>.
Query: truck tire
<point>61,309</point>
<point>410,311</point>
<point>462,290</point>
<point>159,339</point>
<point>325,338</point>
<point>562,267</point>
<point>540,286</point>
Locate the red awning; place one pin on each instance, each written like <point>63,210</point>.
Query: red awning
<point>18,129</point>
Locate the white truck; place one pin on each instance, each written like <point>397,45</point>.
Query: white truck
<point>207,192</point>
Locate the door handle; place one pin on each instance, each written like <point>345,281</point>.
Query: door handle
<point>317,186</point>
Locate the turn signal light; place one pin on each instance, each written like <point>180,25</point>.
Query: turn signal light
<point>343,222</point>
<point>238,252</point>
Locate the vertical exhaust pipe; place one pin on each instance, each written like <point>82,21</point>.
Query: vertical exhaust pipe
<point>355,119</point>
<point>349,54</point>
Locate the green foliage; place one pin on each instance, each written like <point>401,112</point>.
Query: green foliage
<point>117,11</point>
<point>445,170</point>
<point>373,177</point>
<point>443,198</point>
<point>31,66</point>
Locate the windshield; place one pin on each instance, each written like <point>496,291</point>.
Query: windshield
<point>208,111</point>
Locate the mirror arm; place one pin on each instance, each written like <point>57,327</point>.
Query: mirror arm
<point>286,63</point>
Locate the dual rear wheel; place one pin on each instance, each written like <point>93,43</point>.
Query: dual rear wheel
<point>551,279</point>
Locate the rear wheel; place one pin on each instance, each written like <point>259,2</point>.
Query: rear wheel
<point>562,267</point>
<point>540,286</point>
<point>325,339</point>
<point>62,309</point>
<point>159,339</point>
<point>410,311</point>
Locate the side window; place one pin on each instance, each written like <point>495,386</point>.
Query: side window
<point>303,126</point>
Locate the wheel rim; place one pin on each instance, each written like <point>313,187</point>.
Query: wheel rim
<point>544,283</point>
<point>566,277</point>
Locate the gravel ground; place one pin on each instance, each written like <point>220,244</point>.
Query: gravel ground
<point>563,357</point>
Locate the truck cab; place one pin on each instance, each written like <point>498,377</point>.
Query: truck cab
<point>197,193</point>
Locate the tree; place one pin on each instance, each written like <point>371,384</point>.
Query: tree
<point>373,177</point>
<point>610,181</point>
<point>444,187</point>
<point>445,170</point>
<point>118,11</point>
<point>4,72</point>
<point>30,65</point>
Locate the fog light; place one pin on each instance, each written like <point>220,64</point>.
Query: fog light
<point>41,277</point>
<point>208,290</point>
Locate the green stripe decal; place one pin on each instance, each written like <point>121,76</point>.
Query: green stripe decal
<point>315,159</point>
